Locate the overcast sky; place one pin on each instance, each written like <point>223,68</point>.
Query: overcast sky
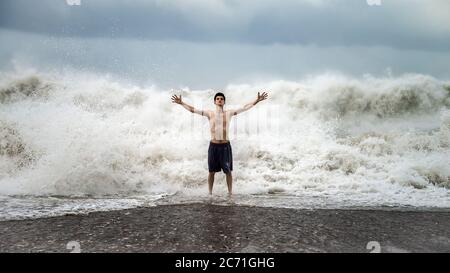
<point>209,43</point>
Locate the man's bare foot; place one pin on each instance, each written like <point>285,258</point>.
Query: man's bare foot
<point>230,199</point>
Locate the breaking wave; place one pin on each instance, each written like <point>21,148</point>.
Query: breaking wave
<point>369,141</point>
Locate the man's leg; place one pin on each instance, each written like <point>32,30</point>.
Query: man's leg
<point>210,181</point>
<point>229,182</point>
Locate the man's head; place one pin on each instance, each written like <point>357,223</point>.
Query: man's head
<point>219,99</point>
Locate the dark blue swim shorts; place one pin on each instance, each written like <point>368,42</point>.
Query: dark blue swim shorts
<point>220,157</point>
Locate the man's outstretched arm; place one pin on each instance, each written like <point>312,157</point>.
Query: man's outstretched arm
<point>261,97</point>
<point>178,100</point>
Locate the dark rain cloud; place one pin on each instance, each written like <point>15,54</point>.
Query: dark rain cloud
<point>398,24</point>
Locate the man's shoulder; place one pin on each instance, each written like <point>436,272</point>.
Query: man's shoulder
<point>207,112</point>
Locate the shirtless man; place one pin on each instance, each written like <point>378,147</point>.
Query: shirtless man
<point>219,152</point>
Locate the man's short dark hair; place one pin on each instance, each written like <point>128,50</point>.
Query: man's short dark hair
<point>219,95</point>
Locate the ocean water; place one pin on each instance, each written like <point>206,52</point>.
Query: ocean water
<point>80,142</point>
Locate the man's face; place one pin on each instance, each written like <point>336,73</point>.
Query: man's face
<point>220,101</point>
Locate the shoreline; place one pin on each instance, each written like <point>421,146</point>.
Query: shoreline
<point>198,227</point>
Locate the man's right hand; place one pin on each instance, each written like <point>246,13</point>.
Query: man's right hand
<point>176,99</point>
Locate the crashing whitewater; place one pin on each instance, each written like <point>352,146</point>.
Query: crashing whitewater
<point>324,141</point>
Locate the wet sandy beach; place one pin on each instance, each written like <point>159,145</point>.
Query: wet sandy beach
<point>213,228</point>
